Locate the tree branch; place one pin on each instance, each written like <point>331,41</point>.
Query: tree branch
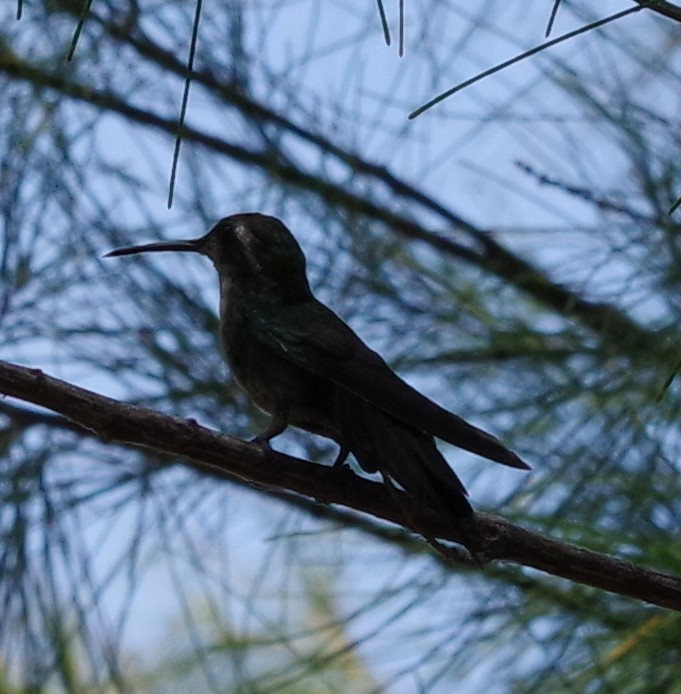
<point>230,458</point>
<point>618,331</point>
<point>666,9</point>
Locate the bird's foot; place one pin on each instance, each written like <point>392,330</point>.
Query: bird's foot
<point>276,425</point>
<point>263,443</point>
<point>470,538</point>
<point>262,440</point>
<point>340,458</point>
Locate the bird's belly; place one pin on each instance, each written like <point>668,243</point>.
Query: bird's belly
<point>278,385</point>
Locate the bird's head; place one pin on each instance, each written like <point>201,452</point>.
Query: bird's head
<point>250,251</point>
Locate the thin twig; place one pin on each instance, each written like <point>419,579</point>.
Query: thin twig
<point>518,58</point>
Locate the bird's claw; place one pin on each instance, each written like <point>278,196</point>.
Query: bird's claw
<point>340,458</point>
<point>262,441</point>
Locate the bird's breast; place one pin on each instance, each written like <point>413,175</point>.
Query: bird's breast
<point>272,380</point>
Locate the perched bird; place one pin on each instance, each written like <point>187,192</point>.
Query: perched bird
<point>303,365</point>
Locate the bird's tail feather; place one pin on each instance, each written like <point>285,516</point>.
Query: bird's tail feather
<point>383,444</point>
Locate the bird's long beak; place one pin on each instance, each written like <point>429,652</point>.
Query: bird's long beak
<point>193,245</point>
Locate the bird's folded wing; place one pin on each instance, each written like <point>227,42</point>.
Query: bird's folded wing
<point>316,339</point>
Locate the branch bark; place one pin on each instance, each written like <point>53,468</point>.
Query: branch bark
<point>226,457</point>
<point>666,9</point>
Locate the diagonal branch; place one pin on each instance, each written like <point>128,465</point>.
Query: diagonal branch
<point>618,331</point>
<point>230,458</point>
<point>666,9</point>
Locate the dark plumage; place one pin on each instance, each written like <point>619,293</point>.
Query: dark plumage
<point>301,363</point>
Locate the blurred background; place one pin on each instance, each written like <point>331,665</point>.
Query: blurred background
<point>509,252</point>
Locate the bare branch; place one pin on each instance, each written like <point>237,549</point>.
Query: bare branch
<point>230,458</point>
<point>666,9</point>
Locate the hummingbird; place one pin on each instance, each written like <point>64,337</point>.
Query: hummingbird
<point>304,366</point>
